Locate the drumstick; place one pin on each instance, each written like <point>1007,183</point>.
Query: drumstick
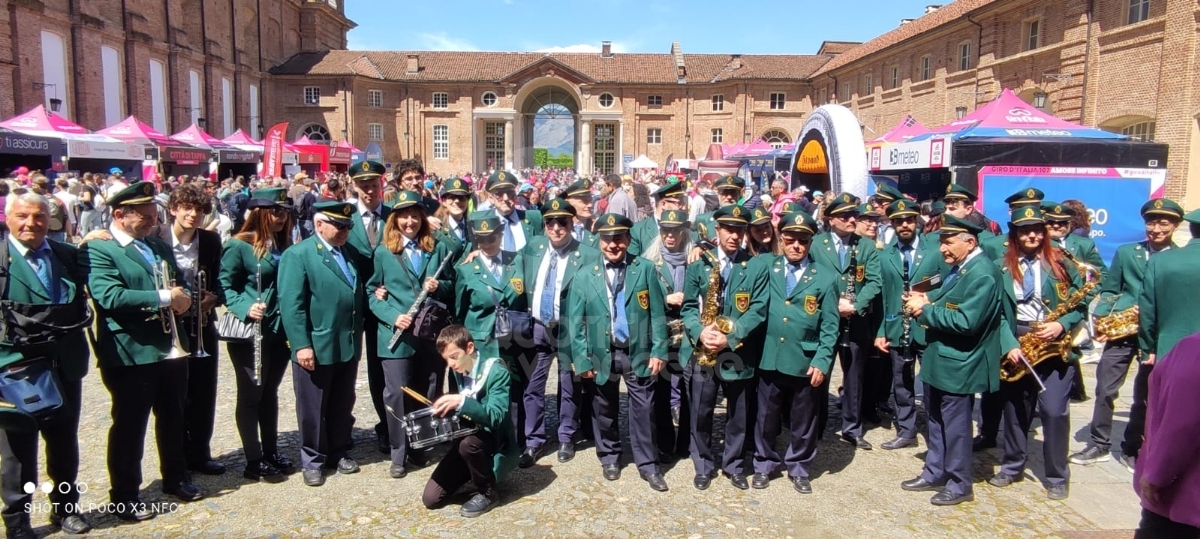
<point>419,397</point>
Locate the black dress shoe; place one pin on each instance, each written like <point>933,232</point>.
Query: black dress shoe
<point>314,477</point>
<point>802,485</point>
<point>945,497</point>
<point>529,457</point>
<point>738,480</point>
<point>383,444</point>
<point>480,503</point>
<point>760,481</point>
<point>133,511</point>
<point>1002,480</point>
<point>23,531</point>
<point>979,443</point>
<point>702,481</point>
<point>207,467</point>
<point>262,470</point>
<point>612,472</point>
<point>72,524</point>
<point>185,491</point>
<point>418,458</point>
<point>675,416</point>
<point>919,484</point>
<point>280,462</point>
<point>566,452</point>
<point>397,471</point>
<point>899,443</point>
<point>346,465</point>
<point>1058,492</point>
<point>656,480</point>
<point>857,441</point>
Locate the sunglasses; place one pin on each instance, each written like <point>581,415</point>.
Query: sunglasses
<point>340,227</point>
<point>558,221</point>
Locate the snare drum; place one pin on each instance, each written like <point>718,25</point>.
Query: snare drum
<point>424,429</point>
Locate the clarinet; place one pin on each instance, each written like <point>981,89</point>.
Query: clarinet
<point>416,306</point>
<point>258,327</point>
<point>849,294</point>
<point>906,322</point>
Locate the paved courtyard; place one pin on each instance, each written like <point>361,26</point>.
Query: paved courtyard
<point>856,494</point>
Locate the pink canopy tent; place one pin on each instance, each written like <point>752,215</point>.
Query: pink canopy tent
<point>80,142</point>
<point>37,121</point>
<point>241,138</point>
<point>341,154</point>
<point>908,128</point>
<point>310,153</point>
<point>194,136</point>
<point>1010,116</point>
<point>714,165</point>
<point>134,130</point>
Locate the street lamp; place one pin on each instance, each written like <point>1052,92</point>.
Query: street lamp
<point>201,122</point>
<point>55,102</point>
<point>262,130</point>
<point>959,112</point>
<point>1039,100</point>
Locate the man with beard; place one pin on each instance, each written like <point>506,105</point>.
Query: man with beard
<point>670,197</point>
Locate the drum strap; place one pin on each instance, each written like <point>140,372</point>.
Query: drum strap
<point>477,382</point>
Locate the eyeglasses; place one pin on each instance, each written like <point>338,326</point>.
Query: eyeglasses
<point>490,238</point>
<point>1057,224</point>
<point>504,194</point>
<point>558,222</point>
<point>340,227</point>
<point>280,211</point>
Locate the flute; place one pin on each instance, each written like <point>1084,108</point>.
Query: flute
<point>416,306</point>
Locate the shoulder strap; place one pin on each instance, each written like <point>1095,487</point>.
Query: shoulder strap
<point>4,264</point>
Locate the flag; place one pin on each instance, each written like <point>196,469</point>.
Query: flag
<point>273,150</point>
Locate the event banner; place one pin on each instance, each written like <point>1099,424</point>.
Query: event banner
<point>273,150</point>
<point>1113,196</point>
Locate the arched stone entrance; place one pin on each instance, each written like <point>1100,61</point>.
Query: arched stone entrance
<point>557,102</point>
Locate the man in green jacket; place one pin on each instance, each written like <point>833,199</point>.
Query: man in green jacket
<point>1165,315</point>
<point>321,303</point>
<point>618,331</point>
<point>964,320</point>
<point>729,190</point>
<point>579,194</point>
<point>43,273</point>
<point>801,332</point>
<point>670,197</point>
<point>140,364</point>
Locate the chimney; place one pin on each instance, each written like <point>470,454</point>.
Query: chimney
<point>414,64</point>
<point>906,21</point>
<point>606,49</point>
<point>931,8</point>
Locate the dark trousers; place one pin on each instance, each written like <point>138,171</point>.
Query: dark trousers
<point>324,401</point>
<point>607,405</point>
<point>775,391</point>
<point>1156,526</point>
<point>854,359</point>
<point>904,387</point>
<point>991,408</point>
<point>1110,376</point>
<point>1021,400</point>
<point>705,384</point>
<point>574,403</point>
<point>948,460</point>
<point>879,375</point>
<point>200,404</point>
<point>257,409</point>
<point>136,391</point>
<point>469,459</point>
<point>671,390</point>
<point>375,380</point>
<point>19,458</point>
<point>537,362</point>
<point>404,372</point>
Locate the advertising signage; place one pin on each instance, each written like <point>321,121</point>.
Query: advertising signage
<point>22,144</point>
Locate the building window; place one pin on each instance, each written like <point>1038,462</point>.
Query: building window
<point>895,78</point>
<point>776,138</point>
<point>493,143</point>
<point>312,95</point>
<point>1032,34</point>
<point>441,100</point>
<point>718,103</point>
<point>112,84</point>
<point>1139,10</point>
<point>845,91</point>
<point>606,100</point>
<point>489,99</point>
<point>964,56</point>
<point>441,141</point>
<point>718,135</point>
<point>654,136</point>
<point>316,133</point>
<point>1143,131</point>
<point>926,68</point>
<point>778,101</point>
<point>604,155</point>
<point>158,96</point>
<point>868,84</point>
<point>374,98</point>
<point>375,132</point>
<point>654,101</point>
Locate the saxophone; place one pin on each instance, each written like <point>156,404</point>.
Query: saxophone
<point>1117,325</point>
<point>1037,350</point>
<point>711,314</point>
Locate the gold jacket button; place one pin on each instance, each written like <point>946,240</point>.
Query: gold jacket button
<point>787,302</point>
<point>781,339</point>
<point>785,319</point>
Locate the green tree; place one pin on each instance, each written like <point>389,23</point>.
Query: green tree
<point>564,160</point>
<point>541,157</point>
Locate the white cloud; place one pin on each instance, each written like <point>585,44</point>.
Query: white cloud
<point>580,48</point>
<point>443,42</point>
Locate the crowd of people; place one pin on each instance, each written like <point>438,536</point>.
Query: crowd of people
<point>465,295</point>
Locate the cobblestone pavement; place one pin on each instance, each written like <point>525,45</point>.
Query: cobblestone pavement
<point>857,494</point>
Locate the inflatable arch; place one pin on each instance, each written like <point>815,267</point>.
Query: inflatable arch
<point>830,153</point>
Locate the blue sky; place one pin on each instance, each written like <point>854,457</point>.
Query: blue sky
<point>701,26</point>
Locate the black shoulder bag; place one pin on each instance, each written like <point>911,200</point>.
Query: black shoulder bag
<point>432,315</point>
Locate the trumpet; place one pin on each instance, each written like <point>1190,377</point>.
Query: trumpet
<point>201,278</point>
<point>167,315</point>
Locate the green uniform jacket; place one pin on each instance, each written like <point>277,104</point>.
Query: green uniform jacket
<point>586,237</point>
<point>531,223</point>
<point>239,266</point>
<point>122,284</point>
<point>745,303</point>
<point>868,282</point>
<point>642,235</point>
<point>314,301</point>
<point>1084,250</point>
<point>489,408</point>
<point>588,309</point>
<point>993,246</point>
<point>1053,293</point>
<point>705,227</point>
<point>802,327</point>
<point>359,247</point>
<point>582,256</point>
<point>474,304</point>
<point>1167,306</point>
<point>927,261</point>
<point>403,286</point>
<point>25,287</point>
<point>457,247</point>
<point>963,329</point>
<point>1123,283</point>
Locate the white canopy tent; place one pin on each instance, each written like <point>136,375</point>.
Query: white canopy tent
<point>642,162</point>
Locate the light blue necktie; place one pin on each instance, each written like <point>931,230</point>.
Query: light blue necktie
<point>497,269</point>
<point>415,257</point>
<point>510,241</point>
<point>145,250</point>
<point>842,253</point>
<point>341,261</point>
<point>577,232</point>
<point>620,322</point>
<point>546,312</point>
<point>791,277</point>
<point>906,252</point>
<point>1027,284</point>
<point>950,277</point>
<point>41,266</point>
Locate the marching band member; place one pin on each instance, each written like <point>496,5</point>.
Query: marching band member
<point>133,351</point>
<point>669,254</point>
<point>801,332</point>
<point>45,275</point>
<point>909,259</point>
<point>1058,223</point>
<point>1119,292</point>
<point>454,232</point>
<point>884,196</point>
<point>856,261</point>
<point>405,264</point>
<point>1165,316</point>
<point>964,323</point>
<point>742,301</point>
<point>761,239</point>
<point>579,194</point>
<point>520,226</point>
<point>251,259</point>
<point>618,332</point>
<point>729,191</point>
<point>960,202</point>
<point>669,197</point>
<point>321,302</point>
